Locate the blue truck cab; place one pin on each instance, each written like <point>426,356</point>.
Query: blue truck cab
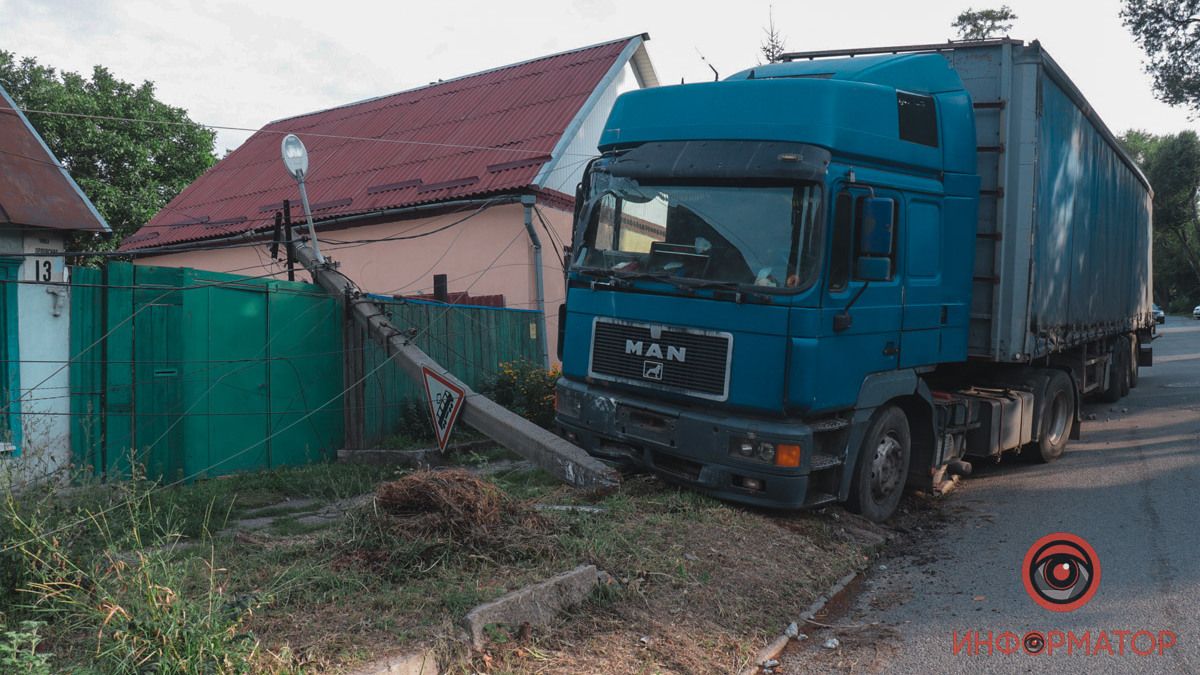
<point>771,288</point>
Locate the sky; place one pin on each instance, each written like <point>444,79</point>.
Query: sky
<point>245,63</point>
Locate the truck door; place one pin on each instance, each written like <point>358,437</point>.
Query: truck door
<point>871,341</point>
<point>924,311</point>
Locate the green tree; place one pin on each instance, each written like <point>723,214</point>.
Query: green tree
<point>982,24</point>
<point>774,46</point>
<point>130,170</point>
<point>1169,32</point>
<point>1172,164</point>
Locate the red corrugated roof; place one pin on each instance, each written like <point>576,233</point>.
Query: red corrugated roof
<point>35,190</point>
<point>481,134</point>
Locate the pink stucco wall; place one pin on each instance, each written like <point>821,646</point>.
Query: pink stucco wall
<point>488,254</point>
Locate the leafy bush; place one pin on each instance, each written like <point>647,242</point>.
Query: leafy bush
<point>19,653</point>
<point>526,389</point>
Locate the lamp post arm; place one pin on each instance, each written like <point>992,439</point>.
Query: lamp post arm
<point>312,230</point>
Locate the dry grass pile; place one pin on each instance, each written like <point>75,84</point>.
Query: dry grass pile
<point>422,516</point>
<point>450,501</point>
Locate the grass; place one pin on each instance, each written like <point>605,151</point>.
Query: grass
<point>228,498</point>
<point>709,581</point>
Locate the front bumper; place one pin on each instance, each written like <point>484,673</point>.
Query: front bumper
<point>686,446</point>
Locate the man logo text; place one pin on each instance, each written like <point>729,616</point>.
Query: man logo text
<point>655,351</point>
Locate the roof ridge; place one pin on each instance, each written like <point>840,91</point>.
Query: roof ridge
<point>439,83</point>
<point>53,161</point>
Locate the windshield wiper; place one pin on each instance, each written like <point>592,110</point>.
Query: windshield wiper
<point>685,284</point>
<point>619,278</point>
<point>741,289</point>
<point>665,277</point>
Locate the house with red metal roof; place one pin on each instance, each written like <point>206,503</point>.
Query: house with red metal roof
<point>471,178</point>
<point>39,205</point>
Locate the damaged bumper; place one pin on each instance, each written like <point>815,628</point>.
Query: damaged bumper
<point>696,448</point>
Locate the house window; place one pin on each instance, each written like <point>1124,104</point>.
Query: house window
<point>918,118</point>
<point>10,367</point>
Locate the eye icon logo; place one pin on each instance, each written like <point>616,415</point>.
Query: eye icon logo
<point>1061,572</point>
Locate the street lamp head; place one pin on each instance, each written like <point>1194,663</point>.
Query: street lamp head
<point>295,156</point>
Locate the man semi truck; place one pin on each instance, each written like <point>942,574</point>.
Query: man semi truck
<point>827,278</point>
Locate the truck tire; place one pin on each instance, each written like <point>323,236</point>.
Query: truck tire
<point>1057,416</point>
<point>1133,361</point>
<point>882,467</point>
<point>1118,374</point>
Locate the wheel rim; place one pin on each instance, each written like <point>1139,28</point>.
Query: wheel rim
<point>886,466</point>
<point>1058,418</point>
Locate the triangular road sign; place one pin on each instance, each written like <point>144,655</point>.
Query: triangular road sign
<point>445,402</point>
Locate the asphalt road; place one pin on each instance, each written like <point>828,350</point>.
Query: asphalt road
<point>1130,487</point>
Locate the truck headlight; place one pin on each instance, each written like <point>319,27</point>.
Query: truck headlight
<point>568,402</point>
<point>779,454</point>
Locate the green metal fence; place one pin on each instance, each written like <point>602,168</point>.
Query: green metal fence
<point>470,342</point>
<point>197,374</point>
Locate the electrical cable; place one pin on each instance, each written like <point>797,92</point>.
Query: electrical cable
<point>385,361</point>
<point>127,319</point>
<point>205,393</point>
<point>284,132</point>
<point>210,467</point>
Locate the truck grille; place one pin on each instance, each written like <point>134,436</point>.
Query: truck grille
<point>693,362</point>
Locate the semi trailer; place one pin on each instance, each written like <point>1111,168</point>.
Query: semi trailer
<point>832,277</point>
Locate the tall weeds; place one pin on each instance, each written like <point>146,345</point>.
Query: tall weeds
<point>120,590</point>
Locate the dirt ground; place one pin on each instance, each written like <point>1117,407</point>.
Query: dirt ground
<point>734,579</point>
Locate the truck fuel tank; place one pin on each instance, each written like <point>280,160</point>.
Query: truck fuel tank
<point>1005,421</point>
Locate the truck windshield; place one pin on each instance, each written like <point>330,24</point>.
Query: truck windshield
<point>765,236</point>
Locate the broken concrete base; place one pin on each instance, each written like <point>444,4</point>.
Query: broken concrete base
<point>419,458</point>
<point>303,511</point>
<point>419,663</point>
<point>537,604</point>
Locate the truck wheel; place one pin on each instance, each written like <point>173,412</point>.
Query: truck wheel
<point>1058,413</point>
<point>1118,374</point>
<point>882,467</point>
<point>1133,361</point>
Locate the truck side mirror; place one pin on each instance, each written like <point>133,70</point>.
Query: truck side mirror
<point>878,227</point>
<point>867,268</point>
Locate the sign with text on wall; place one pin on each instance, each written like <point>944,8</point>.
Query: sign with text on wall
<point>43,260</point>
<point>445,402</point>
<point>43,269</point>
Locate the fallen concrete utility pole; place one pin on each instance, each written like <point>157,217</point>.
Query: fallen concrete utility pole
<point>564,460</point>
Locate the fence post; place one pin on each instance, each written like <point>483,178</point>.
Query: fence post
<point>441,288</point>
<point>352,372</point>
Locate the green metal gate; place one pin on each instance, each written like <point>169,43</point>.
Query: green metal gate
<point>198,374</point>
<point>201,373</point>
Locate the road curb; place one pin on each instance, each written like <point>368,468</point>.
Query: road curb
<point>776,647</point>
